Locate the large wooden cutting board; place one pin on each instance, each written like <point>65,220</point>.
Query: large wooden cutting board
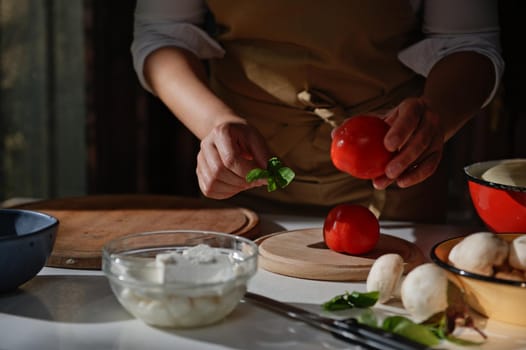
<point>302,253</point>
<point>87,223</point>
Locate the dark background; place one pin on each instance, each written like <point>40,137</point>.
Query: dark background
<point>136,146</point>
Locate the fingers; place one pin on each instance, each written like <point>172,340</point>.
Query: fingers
<point>213,176</point>
<point>404,120</point>
<point>225,157</point>
<point>417,135</point>
<point>412,174</point>
<point>414,148</point>
<point>420,171</point>
<point>381,183</point>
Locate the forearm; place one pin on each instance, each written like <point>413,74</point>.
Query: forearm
<point>178,78</point>
<point>456,88</point>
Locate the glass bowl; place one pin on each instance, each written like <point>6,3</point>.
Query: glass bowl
<point>496,298</point>
<point>179,278</point>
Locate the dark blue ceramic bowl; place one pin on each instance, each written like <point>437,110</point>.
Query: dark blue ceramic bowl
<point>26,240</point>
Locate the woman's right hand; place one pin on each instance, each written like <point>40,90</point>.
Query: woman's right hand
<point>227,154</point>
<point>230,148</point>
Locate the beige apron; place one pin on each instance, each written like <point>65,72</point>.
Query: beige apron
<point>296,68</point>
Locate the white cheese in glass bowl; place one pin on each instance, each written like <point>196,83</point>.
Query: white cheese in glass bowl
<point>185,286</point>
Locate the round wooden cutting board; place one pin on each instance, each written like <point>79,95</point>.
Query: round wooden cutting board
<point>87,223</point>
<point>302,253</point>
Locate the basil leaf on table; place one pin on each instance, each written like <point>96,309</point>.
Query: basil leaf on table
<point>368,318</point>
<point>405,327</point>
<point>429,333</point>
<point>351,300</point>
<point>277,175</point>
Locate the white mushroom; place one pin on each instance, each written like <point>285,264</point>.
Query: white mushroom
<point>385,275</point>
<point>479,253</point>
<point>424,291</point>
<point>517,256</point>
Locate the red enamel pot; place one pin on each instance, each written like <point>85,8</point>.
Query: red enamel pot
<point>502,207</point>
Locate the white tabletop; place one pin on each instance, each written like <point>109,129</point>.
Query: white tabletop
<point>75,309</point>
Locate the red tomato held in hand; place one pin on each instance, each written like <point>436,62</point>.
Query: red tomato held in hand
<point>351,229</point>
<point>358,147</point>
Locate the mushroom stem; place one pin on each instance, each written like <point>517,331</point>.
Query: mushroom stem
<point>385,275</point>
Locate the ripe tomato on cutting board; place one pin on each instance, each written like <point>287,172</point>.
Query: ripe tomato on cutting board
<point>351,229</point>
<point>358,149</point>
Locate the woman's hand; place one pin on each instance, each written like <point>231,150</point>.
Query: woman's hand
<point>227,154</point>
<point>417,134</point>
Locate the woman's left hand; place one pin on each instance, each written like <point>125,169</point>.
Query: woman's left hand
<point>417,135</point>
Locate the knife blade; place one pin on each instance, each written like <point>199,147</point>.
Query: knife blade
<point>348,330</point>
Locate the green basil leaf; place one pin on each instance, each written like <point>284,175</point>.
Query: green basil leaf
<point>273,163</point>
<point>337,303</point>
<point>390,323</point>
<point>363,300</point>
<point>405,327</point>
<point>368,318</point>
<point>271,184</point>
<point>277,175</point>
<point>438,324</point>
<point>463,342</point>
<point>351,300</point>
<point>287,174</point>
<point>255,174</point>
